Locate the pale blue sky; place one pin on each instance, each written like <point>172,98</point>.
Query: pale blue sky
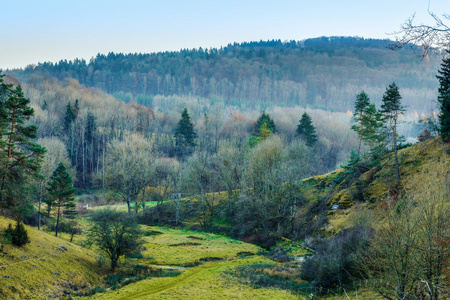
<point>34,31</point>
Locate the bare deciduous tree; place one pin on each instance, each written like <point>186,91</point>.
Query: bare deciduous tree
<point>427,36</point>
<point>129,167</point>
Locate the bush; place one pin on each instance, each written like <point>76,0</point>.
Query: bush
<point>279,254</point>
<point>333,264</point>
<point>17,236</point>
<point>269,275</point>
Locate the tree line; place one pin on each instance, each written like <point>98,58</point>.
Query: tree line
<point>318,73</point>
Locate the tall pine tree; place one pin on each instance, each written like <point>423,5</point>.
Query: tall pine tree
<point>362,103</point>
<point>391,109</point>
<point>20,156</point>
<point>62,192</point>
<point>444,98</point>
<point>69,117</point>
<point>184,134</point>
<point>306,130</point>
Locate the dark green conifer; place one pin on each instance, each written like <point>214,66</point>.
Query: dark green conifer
<point>70,116</point>
<point>18,235</point>
<point>61,190</point>
<point>265,118</point>
<point>362,103</point>
<point>444,98</point>
<point>306,130</point>
<point>184,133</point>
<point>391,109</point>
<point>20,156</point>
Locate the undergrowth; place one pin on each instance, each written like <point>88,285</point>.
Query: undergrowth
<point>269,275</point>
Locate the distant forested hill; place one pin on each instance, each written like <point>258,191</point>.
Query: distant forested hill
<point>324,72</point>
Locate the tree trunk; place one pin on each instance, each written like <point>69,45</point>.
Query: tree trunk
<point>395,152</point>
<point>39,211</point>
<point>57,218</point>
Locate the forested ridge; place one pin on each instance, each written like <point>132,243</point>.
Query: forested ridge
<point>322,72</point>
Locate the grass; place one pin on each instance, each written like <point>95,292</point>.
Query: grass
<point>124,207</point>
<point>185,247</point>
<point>41,269</point>
<point>202,282</point>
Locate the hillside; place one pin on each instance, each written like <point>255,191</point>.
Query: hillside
<point>425,175</point>
<point>323,72</point>
<point>45,268</point>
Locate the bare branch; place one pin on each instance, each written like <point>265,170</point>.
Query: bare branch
<point>436,36</point>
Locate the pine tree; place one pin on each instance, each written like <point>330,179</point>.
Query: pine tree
<point>61,190</point>
<point>362,103</point>
<point>184,134</point>
<point>70,116</point>
<point>306,130</point>
<point>265,118</point>
<point>391,109</point>
<point>444,98</point>
<point>20,157</point>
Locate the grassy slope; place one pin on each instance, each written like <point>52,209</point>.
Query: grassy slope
<point>424,169</point>
<point>41,270</point>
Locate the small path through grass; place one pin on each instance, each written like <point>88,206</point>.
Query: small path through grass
<point>201,282</point>
<point>178,280</point>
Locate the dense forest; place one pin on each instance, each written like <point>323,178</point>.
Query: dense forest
<point>317,73</point>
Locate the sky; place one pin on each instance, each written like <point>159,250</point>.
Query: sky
<point>34,31</point>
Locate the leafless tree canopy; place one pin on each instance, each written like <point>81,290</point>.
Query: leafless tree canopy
<point>436,36</point>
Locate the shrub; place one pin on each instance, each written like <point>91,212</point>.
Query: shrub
<point>17,236</point>
<point>279,254</point>
<point>333,264</point>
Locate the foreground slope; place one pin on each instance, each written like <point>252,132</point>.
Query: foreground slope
<point>45,268</point>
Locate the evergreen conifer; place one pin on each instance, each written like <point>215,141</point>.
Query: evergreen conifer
<point>20,156</point>
<point>62,192</point>
<point>391,109</point>
<point>362,104</point>
<point>265,118</point>
<point>444,98</point>
<point>70,116</point>
<point>184,133</point>
<point>306,130</point>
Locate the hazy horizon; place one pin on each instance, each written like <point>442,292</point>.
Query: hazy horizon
<point>53,30</point>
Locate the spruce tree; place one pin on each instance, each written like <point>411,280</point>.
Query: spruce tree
<point>444,98</point>
<point>391,109</point>
<point>306,130</point>
<point>69,117</point>
<point>20,156</point>
<point>265,118</point>
<point>362,103</point>
<point>61,190</point>
<point>184,134</point>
